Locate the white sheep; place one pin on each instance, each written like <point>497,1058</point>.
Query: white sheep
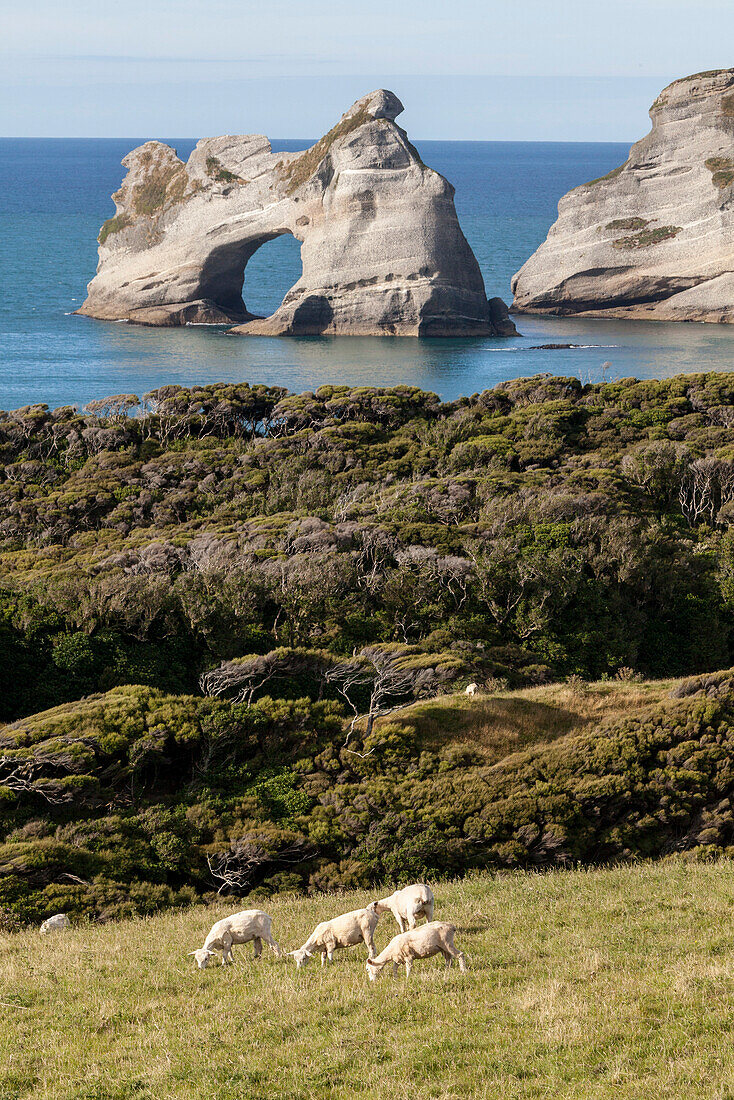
<point>57,923</point>
<point>250,924</point>
<point>471,690</point>
<point>342,931</point>
<point>407,905</point>
<point>436,938</point>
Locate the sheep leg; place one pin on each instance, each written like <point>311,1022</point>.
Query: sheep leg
<point>257,944</point>
<point>395,970</point>
<point>227,949</point>
<point>428,911</point>
<point>451,953</point>
<point>411,921</point>
<point>367,937</point>
<point>323,958</point>
<point>274,947</point>
<point>408,968</point>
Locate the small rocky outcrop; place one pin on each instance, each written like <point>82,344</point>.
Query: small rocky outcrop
<point>382,249</point>
<point>653,239</point>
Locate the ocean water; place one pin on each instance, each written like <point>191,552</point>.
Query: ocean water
<point>54,195</point>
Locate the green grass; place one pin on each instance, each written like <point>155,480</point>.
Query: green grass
<point>582,984</point>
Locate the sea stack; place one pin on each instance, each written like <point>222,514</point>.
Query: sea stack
<point>382,250</point>
<point>653,239</point>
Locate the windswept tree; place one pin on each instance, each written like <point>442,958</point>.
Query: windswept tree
<point>241,678</point>
<point>389,677</point>
<point>374,682</point>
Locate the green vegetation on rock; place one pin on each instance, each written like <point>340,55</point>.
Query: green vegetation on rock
<point>722,171</point>
<point>626,223</point>
<point>219,173</point>
<point>647,237</point>
<point>164,185</point>
<point>609,176</point>
<point>113,225</point>
<point>297,171</point>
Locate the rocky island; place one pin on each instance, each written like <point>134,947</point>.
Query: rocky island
<point>653,239</point>
<point>382,250</point>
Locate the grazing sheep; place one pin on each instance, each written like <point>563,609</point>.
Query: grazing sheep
<point>436,938</point>
<point>342,931</point>
<point>250,924</point>
<point>57,923</point>
<point>407,905</point>
<point>471,690</point>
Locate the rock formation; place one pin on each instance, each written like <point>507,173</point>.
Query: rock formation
<point>382,250</point>
<point>654,238</point>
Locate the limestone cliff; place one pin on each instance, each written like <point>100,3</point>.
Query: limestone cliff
<point>382,251</point>
<point>654,238</point>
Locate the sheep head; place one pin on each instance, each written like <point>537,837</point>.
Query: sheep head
<point>301,956</point>
<point>202,957</point>
<point>373,969</point>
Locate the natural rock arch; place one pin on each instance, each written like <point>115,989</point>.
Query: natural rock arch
<point>381,247</point>
<point>224,270</point>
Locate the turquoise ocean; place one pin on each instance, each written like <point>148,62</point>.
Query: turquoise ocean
<point>54,195</point>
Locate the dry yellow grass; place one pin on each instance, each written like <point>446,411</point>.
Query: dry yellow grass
<point>505,722</point>
<point>582,984</point>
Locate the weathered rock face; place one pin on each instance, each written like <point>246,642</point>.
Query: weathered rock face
<point>382,250</point>
<point>654,239</point>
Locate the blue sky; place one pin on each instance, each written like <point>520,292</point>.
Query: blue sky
<point>465,69</point>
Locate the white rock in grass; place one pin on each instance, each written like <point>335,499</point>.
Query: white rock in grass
<point>57,923</point>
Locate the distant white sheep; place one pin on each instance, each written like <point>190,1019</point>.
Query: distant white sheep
<point>471,690</point>
<point>407,905</point>
<point>343,931</point>
<point>436,938</point>
<point>57,923</point>
<point>250,924</point>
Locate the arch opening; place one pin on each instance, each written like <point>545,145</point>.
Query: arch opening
<point>246,280</point>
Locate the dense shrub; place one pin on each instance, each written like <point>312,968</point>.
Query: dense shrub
<point>185,796</point>
<point>582,528</point>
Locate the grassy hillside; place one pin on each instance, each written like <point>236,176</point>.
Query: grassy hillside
<point>505,722</point>
<point>582,984</point>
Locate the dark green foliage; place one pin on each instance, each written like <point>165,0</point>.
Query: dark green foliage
<point>540,530</point>
<point>584,526</point>
<point>218,172</point>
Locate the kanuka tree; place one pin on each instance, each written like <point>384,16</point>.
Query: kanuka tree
<point>374,682</point>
